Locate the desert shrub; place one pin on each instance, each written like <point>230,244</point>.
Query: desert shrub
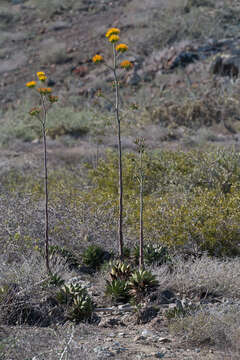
<point>72,260</point>
<point>212,326</point>
<point>195,113</point>
<point>190,198</point>
<point>154,254</point>
<point>94,256</point>
<point>53,52</point>
<point>53,7</point>
<point>202,278</point>
<point>61,121</point>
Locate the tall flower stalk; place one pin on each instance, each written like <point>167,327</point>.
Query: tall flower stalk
<point>46,100</point>
<point>113,37</point>
<point>140,146</point>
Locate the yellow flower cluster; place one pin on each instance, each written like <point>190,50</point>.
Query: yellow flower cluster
<point>126,64</point>
<point>44,91</point>
<point>113,39</point>
<point>97,59</point>
<point>31,84</point>
<point>121,48</point>
<point>41,76</point>
<point>112,31</point>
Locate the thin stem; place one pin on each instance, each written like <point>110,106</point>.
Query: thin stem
<point>45,183</point>
<point>141,260</point>
<point>120,181</point>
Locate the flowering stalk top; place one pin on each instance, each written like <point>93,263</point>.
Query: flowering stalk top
<point>97,59</point>
<point>126,64</point>
<point>112,31</point>
<point>113,39</point>
<point>121,48</point>
<point>40,73</point>
<point>31,84</point>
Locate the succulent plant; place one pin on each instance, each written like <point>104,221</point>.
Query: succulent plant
<point>120,271</point>
<point>117,290</point>
<point>141,282</point>
<point>75,298</point>
<point>81,309</point>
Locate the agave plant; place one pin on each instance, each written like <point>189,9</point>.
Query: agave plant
<point>68,293</point>
<point>56,280</point>
<point>141,282</point>
<point>120,271</point>
<point>117,290</point>
<point>79,305</point>
<point>81,309</point>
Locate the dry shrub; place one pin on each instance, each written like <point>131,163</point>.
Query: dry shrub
<point>217,325</point>
<point>195,113</point>
<point>53,52</point>
<point>203,275</point>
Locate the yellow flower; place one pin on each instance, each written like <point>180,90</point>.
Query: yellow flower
<point>97,59</point>
<point>40,73</point>
<point>31,84</point>
<point>113,38</point>
<point>112,31</point>
<point>42,77</point>
<point>122,48</point>
<point>125,64</point>
<point>44,90</point>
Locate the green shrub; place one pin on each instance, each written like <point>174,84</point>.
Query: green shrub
<point>190,199</point>
<point>154,254</point>
<point>61,122</point>
<point>93,256</point>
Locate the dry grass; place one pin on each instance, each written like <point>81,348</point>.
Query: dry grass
<point>203,275</point>
<point>217,326</point>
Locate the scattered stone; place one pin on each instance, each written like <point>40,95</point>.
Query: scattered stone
<point>17,2</point>
<point>112,322</point>
<point>103,352</point>
<point>164,340</point>
<point>59,25</point>
<point>139,338</point>
<point>147,333</point>
<point>158,355</point>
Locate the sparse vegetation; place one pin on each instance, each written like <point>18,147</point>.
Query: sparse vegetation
<point>91,303</point>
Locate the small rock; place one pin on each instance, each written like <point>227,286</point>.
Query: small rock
<point>17,2</point>
<point>123,306</point>
<point>138,338</point>
<point>147,333</point>
<point>164,340</point>
<point>158,355</point>
<point>59,25</point>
